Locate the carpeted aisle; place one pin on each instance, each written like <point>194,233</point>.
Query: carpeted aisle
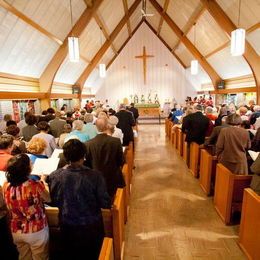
<point>170,217</point>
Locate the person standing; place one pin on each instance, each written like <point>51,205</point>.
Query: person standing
<point>79,193</point>
<point>125,123</point>
<point>24,199</point>
<point>104,153</point>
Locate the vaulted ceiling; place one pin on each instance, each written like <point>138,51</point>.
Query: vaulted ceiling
<point>33,39</point>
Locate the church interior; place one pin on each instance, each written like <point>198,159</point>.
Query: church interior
<point>186,193</point>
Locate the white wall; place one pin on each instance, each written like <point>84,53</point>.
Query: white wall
<point>165,76</point>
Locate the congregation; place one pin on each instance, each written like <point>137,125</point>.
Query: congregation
<point>88,175</point>
<point>90,167</point>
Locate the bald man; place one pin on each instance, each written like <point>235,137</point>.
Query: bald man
<point>105,154</point>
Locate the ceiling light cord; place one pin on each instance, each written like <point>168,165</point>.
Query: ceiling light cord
<point>239,10</point>
<point>71,18</point>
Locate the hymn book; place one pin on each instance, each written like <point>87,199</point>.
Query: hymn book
<point>45,166</point>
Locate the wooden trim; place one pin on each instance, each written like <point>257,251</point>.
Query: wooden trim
<point>22,95</point>
<point>253,28</point>
<point>124,44</point>
<point>29,21</point>
<point>128,22</point>
<point>166,45</point>
<point>215,78</point>
<point>239,79</point>
<point>62,84</point>
<point>233,90</point>
<point>83,77</point>
<point>228,26</point>
<point>66,96</point>
<point>51,69</point>
<point>223,46</point>
<point>165,7</point>
<point>193,19</point>
<point>104,30</point>
<point>17,77</point>
<point>88,96</point>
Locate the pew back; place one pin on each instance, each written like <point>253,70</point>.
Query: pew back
<point>127,189</point>
<point>179,141</point>
<point>185,150</point>
<point>194,159</point>
<point>208,165</point>
<point>229,192</point>
<point>107,252</point>
<point>249,235</point>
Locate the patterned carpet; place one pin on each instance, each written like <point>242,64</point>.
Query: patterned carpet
<point>170,217</point>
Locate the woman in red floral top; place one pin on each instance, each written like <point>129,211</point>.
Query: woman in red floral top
<point>24,199</point>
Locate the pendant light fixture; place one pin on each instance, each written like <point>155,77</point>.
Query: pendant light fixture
<point>194,66</point>
<point>238,37</point>
<point>73,42</point>
<point>102,66</point>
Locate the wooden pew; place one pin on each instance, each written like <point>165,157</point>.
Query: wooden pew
<point>179,141</point>
<point>173,137</point>
<point>228,195</point>
<point>249,231</point>
<point>166,126</point>
<point>194,159</point>
<point>208,164</point>
<point>185,152</point>
<point>130,159</point>
<point>106,252</point>
<point>113,222</point>
<point>127,189</point>
<point>169,128</point>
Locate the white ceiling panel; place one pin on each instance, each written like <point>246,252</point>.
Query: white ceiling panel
<point>249,13</point>
<point>24,51</point>
<point>197,80</point>
<point>183,53</point>
<point>69,72</point>
<point>52,15</point>
<point>228,66</point>
<point>153,20</point>
<point>206,30</point>
<point>136,17</point>
<point>168,35</point>
<point>111,13</point>
<point>121,38</point>
<point>180,11</point>
<point>91,40</point>
<point>254,40</point>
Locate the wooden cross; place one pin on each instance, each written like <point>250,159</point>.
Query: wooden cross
<point>144,57</point>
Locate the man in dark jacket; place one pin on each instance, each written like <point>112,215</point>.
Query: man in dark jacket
<point>134,111</point>
<point>195,125</point>
<point>105,154</point>
<point>126,122</point>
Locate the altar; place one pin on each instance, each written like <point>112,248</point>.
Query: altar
<point>148,109</point>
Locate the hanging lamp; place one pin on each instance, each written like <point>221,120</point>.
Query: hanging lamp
<point>73,42</point>
<point>102,66</point>
<point>238,38</point>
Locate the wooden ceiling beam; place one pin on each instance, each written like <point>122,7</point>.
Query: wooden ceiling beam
<point>89,3</point>
<point>124,44</point>
<point>29,21</point>
<point>50,71</point>
<point>228,26</point>
<point>193,19</point>
<point>166,45</point>
<point>83,77</point>
<point>128,21</point>
<point>215,78</point>
<point>165,7</point>
<point>104,30</point>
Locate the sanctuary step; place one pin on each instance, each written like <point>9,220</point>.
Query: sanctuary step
<point>151,120</point>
